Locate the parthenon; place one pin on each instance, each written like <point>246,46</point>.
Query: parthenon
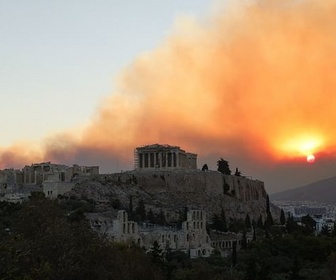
<point>158,156</point>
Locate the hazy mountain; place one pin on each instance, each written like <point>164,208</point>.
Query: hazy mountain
<point>321,191</point>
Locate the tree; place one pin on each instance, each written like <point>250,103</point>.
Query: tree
<point>282,217</point>
<point>160,218</point>
<point>268,208</point>
<point>151,216</point>
<point>234,253</point>
<point>115,203</point>
<point>247,221</point>
<point>223,223</point>
<point>223,166</point>
<point>215,222</point>
<point>156,254</point>
<point>45,244</point>
<point>260,222</point>
<point>331,266</point>
<point>205,167</point>
<point>309,224</point>
<point>325,231</point>
<point>244,241</point>
<point>292,226</point>
<point>269,218</point>
<point>254,234</point>
<point>333,232</point>
<point>130,206</point>
<point>141,210</point>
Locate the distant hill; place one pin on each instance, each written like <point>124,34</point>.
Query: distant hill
<point>323,191</point>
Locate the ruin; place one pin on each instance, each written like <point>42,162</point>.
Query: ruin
<point>163,157</point>
<point>192,238</point>
<point>53,179</point>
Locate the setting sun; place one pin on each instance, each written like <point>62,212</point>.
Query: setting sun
<point>311,158</point>
<point>303,146</point>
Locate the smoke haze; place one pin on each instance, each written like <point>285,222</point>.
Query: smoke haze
<point>253,84</point>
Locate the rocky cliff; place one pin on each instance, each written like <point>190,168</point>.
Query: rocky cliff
<point>172,191</point>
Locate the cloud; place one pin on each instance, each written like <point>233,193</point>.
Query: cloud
<point>255,82</point>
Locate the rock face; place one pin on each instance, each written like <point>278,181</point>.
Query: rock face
<point>172,191</point>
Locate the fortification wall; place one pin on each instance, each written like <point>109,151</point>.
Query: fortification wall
<point>53,189</point>
<point>192,181</point>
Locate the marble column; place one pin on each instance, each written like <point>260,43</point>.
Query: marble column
<point>160,160</point>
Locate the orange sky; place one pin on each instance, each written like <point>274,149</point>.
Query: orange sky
<point>253,83</point>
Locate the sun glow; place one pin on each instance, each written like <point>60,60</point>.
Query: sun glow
<point>302,146</point>
<point>311,158</point>
<point>264,98</point>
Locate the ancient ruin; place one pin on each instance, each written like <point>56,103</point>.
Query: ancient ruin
<point>53,179</point>
<point>166,178</point>
<point>163,157</point>
<point>192,238</point>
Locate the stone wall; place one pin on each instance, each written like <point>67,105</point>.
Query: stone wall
<point>10,180</point>
<point>193,181</point>
<point>207,190</point>
<point>52,189</point>
<point>192,238</point>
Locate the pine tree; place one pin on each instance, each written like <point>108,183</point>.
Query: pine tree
<point>282,217</point>
<point>333,232</point>
<point>269,219</point>
<point>237,173</point>
<point>254,234</point>
<point>150,216</point>
<point>260,222</point>
<point>215,222</point>
<point>234,253</point>
<point>247,221</point>
<point>223,223</point>
<point>130,207</point>
<point>268,209</point>
<point>161,219</point>
<point>141,210</point>
<point>156,254</point>
<point>223,166</point>
<point>244,241</point>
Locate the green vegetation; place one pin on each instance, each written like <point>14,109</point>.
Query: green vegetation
<point>43,241</point>
<point>50,239</point>
<point>223,166</point>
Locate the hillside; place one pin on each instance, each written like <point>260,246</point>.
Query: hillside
<point>323,191</point>
<point>171,192</point>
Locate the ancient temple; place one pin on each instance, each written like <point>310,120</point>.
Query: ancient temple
<point>158,156</point>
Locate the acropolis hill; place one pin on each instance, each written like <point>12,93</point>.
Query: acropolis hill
<point>165,177</point>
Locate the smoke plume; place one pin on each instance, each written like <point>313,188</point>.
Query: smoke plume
<point>253,82</point>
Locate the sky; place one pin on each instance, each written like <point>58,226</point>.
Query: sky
<point>251,81</point>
